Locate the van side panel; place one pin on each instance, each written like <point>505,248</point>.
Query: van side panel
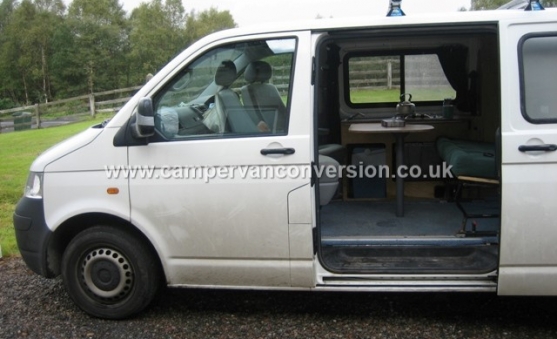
<point>77,182</point>
<point>528,261</point>
<point>300,234</point>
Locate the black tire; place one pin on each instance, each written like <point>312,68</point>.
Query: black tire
<point>110,273</point>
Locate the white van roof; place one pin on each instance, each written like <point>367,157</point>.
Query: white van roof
<point>383,21</point>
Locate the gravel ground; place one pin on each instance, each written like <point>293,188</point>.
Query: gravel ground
<point>34,307</point>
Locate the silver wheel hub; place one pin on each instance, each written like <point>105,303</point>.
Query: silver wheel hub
<point>107,274</point>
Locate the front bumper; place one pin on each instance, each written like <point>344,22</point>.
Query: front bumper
<point>32,234</point>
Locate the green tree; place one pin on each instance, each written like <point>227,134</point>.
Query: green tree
<point>26,48</point>
<point>100,39</point>
<point>15,60</point>
<point>6,90</point>
<point>67,71</point>
<point>25,53</point>
<point>49,16</point>
<point>6,10</point>
<point>160,30</point>
<point>206,22</point>
<point>47,53</point>
<point>157,34</point>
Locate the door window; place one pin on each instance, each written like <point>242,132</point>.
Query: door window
<point>236,90</point>
<point>538,54</point>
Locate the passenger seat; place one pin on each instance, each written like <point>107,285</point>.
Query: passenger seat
<point>335,151</point>
<point>328,185</point>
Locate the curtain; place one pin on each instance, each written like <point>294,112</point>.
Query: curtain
<point>453,59</point>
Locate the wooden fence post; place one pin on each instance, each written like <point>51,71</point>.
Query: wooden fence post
<point>38,114</point>
<point>389,75</point>
<point>92,104</point>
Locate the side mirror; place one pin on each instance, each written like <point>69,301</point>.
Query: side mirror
<point>144,125</point>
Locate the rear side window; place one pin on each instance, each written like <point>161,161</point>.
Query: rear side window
<point>382,79</point>
<point>538,77</point>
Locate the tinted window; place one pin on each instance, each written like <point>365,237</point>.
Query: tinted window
<point>539,78</point>
<point>381,79</point>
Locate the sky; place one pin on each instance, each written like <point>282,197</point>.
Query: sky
<point>251,12</point>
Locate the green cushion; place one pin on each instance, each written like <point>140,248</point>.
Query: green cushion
<point>468,158</point>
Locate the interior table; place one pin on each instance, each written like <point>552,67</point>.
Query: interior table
<point>399,133</point>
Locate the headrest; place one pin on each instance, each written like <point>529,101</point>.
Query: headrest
<point>258,71</point>
<point>226,74</point>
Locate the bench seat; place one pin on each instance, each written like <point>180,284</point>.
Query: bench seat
<point>468,158</point>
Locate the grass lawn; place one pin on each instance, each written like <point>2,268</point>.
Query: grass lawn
<point>17,152</point>
<point>393,95</point>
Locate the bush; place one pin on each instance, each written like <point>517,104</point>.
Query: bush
<point>6,103</point>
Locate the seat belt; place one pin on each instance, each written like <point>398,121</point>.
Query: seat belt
<point>255,104</point>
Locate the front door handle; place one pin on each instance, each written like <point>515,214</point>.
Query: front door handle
<point>285,151</point>
<point>538,148</point>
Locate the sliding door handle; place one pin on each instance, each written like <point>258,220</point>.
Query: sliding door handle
<point>538,148</point>
<point>284,151</point>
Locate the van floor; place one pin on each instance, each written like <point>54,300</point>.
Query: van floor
<point>367,237</point>
<point>421,218</point>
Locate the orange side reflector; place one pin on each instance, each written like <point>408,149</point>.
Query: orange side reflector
<point>112,190</point>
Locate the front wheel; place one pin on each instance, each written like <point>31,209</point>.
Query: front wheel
<point>110,273</point>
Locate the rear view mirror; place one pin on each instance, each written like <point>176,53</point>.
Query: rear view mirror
<point>144,125</point>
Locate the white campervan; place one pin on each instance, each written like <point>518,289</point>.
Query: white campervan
<point>403,153</point>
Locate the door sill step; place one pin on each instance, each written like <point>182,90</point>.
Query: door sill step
<point>408,241</point>
<point>410,259</point>
<point>408,285</point>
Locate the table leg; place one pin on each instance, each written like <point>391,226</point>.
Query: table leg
<point>399,180</point>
